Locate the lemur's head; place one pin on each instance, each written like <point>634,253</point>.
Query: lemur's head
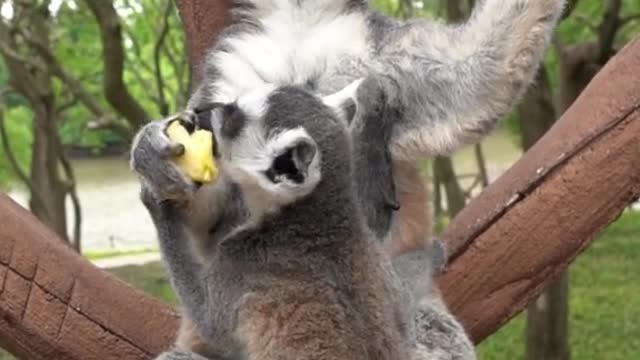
<point>281,143</point>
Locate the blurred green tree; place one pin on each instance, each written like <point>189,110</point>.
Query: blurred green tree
<point>81,73</point>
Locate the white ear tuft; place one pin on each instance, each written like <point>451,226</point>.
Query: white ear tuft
<point>344,101</point>
<point>289,167</point>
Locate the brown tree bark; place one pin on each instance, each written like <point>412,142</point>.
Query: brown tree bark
<point>55,305</point>
<point>526,227</point>
<point>202,21</point>
<point>547,330</point>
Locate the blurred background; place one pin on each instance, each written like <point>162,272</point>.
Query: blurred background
<point>78,78</point>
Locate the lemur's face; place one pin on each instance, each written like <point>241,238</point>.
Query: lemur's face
<point>272,140</point>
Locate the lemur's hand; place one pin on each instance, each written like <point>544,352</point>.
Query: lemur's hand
<point>371,131</point>
<point>152,157</point>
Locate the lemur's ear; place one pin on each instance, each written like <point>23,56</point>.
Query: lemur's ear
<point>344,101</point>
<point>293,156</point>
<point>292,166</point>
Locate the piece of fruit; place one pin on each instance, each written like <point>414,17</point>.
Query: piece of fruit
<point>197,160</point>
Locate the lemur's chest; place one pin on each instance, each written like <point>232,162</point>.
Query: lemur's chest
<point>294,47</point>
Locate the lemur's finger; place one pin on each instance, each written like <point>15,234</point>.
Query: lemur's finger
<point>171,150</point>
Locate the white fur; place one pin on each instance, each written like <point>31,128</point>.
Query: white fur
<point>297,44</point>
<point>249,167</point>
<point>336,100</point>
<point>254,102</point>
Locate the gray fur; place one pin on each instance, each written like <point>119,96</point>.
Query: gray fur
<point>428,89</point>
<point>439,335</point>
<point>185,355</point>
<point>312,254</point>
<point>443,86</point>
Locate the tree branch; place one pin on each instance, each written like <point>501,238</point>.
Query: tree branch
<point>629,18</point>
<point>137,51</point>
<point>109,122</point>
<point>157,48</point>
<point>482,166</point>
<point>15,166</point>
<point>9,52</point>
<point>71,102</point>
<point>75,200</point>
<point>586,21</point>
<point>608,29</point>
<point>116,91</point>
<point>10,155</point>
<point>570,7</point>
<point>73,85</point>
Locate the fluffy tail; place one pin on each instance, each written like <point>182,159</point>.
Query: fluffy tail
<point>453,83</point>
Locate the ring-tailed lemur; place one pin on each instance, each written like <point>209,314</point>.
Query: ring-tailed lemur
<point>435,87</point>
<point>443,86</point>
<point>289,270</point>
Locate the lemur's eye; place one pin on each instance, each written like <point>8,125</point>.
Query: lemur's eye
<point>233,120</point>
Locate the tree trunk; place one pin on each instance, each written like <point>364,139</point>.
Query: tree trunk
<point>443,167</point>
<point>536,111</point>
<point>482,165</point>
<point>547,323</point>
<point>34,82</point>
<point>547,331</point>
<point>547,328</point>
<point>45,172</point>
<point>437,195</point>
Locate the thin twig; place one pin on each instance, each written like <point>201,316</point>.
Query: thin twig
<point>75,201</point>
<point>157,49</point>
<point>13,161</point>
<point>627,19</point>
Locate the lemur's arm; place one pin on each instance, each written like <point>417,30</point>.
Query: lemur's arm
<point>185,272</point>
<point>164,191</point>
<point>453,83</point>
<point>437,335</point>
<point>173,204</point>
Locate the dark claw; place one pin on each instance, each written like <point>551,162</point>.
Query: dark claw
<point>188,124</point>
<point>172,150</point>
<point>393,205</point>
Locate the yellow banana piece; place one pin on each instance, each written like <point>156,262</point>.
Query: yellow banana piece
<point>197,160</point>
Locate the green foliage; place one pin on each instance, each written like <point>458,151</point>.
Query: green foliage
<point>77,45</point>
<point>604,301</point>
<point>105,254</point>
<point>18,124</point>
<point>149,278</point>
